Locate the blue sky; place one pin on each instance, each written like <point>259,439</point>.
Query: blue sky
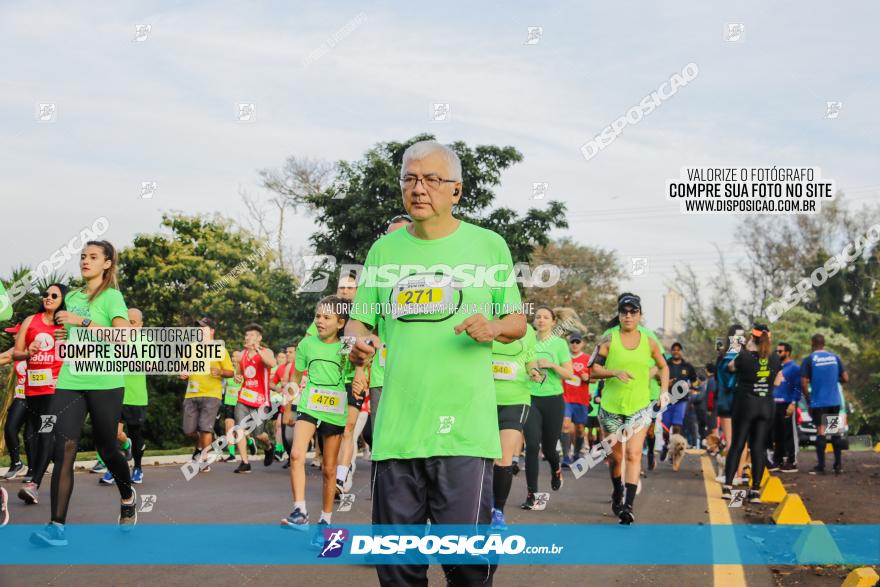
<point>164,109</point>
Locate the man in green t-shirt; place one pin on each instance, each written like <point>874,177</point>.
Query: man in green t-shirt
<point>446,290</point>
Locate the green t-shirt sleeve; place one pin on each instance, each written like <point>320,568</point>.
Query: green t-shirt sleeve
<point>5,305</point>
<point>302,358</point>
<point>561,351</point>
<point>366,300</point>
<point>113,305</point>
<point>506,298</point>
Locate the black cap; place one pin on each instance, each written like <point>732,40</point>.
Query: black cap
<point>575,336</point>
<point>205,321</point>
<point>631,300</point>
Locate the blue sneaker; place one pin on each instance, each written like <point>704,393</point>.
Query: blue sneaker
<point>107,479</point>
<point>297,520</point>
<point>137,476</point>
<point>52,535</point>
<point>498,522</point>
<point>566,462</point>
<point>318,537</point>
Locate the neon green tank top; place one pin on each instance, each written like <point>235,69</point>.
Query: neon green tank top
<point>627,398</point>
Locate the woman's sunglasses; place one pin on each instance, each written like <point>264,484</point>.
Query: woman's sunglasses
<point>53,296</point>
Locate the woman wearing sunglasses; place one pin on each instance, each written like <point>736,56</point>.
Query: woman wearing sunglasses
<point>625,358</point>
<point>98,304</point>
<point>35,343</point>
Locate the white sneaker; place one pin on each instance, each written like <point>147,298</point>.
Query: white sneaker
<point>720,478</point>
<point>740,480</point>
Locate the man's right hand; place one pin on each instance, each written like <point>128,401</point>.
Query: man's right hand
<point>362,352</point>
<point>623,376</point>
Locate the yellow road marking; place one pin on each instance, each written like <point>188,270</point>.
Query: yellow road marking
<point>723,575</point>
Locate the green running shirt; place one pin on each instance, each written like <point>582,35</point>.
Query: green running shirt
<point>627,398</point>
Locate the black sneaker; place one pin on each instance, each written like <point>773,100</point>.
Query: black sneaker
<point>286,464</point>
<point>817,470</point>
<point>515,467</point>
<point>626,515</point>
<point>229,459</point>
<point>128,516</point>
<point>726,492</point>
<point>197,454</point>
<point>556,479</point>
<point>14,471</point>
<point>651,463</point>
<point>838,469</point>
<point>773,467</point>
<point>28,477</point>
<point>269,457</point>
<point>337,494</point>
<point>529,503</point>
<point>252,447</point>
<point>788,468</point>
<point>663,452</point>
<point>754,496</point>
<point>279,456</point>
<point>243,468</point>
<point>616,505</point>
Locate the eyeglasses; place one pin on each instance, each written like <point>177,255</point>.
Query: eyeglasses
<point>431,182</point>
<point>53,296</point>
<point>629,312</point>
<point>575,341</point>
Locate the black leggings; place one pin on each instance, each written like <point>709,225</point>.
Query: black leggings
<point>104,406</point>
<point>135,433</point>
<point>542,429</point>
<point>38,406</point>
<point>16,418</point>
<point>752,420</point>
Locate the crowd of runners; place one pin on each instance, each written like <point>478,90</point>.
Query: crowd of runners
<point>444,402</point>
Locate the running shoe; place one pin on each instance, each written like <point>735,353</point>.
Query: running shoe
<point>14,471</point>
<point>252,447</point>
<point>107,479</point>
<point>663,452</point>
<point>243,468</point>
<point>817,470</point>
<point>838,470</point>
<point>498,522</point>
<point>340,489</point>
<point>651,463</point>
<point>269,457</point>
<point>4,509</point>
<point>29,494</point>
<point>286,464</point>
<point>128,455</point>
<point>197,453</point>
<point>529,503</point>
<point>137,476</point>
<point>515,467</point>
<point>726,491</point>
<point>296,520</point>
<point>773,468</point>
<point>566,462</point>
<point>626,515</point>
<point>229,459</point>
<point>317,462</point>
<point>616,504</point>
<point>556,479</point>
<point>317,540</point>
<point>349,479</point>
<point>720,477</point>
<point>28,477</point>
<point>789,468</point>
<point>99,468</point>
<point>128,516</point>
<point>279,456</point>
<point>754,496</point>
<point>740,480</point>
<point>52,535</point>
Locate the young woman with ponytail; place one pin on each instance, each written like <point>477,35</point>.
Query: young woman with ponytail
<point>758,373</point>
<point>98,304</point>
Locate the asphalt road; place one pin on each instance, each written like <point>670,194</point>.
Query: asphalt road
<point>263,497</point>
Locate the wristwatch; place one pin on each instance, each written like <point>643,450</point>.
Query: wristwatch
<point>86,322</point>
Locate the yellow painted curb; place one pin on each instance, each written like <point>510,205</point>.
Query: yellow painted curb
<point>829,447</point>
<point>815,545</point>
<point>876,449</point>
<point>863,577</point>
<point>791,511</point>
<point>772,491</point>
<point>764,478</point>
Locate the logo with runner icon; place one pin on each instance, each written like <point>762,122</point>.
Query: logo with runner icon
<point>334,540</point>
<point>47,423</point>
<point>148,502</point>
<point>45,341</point>
<point>541,500</point>
<point>250,371</point>
<point>346,501</point>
